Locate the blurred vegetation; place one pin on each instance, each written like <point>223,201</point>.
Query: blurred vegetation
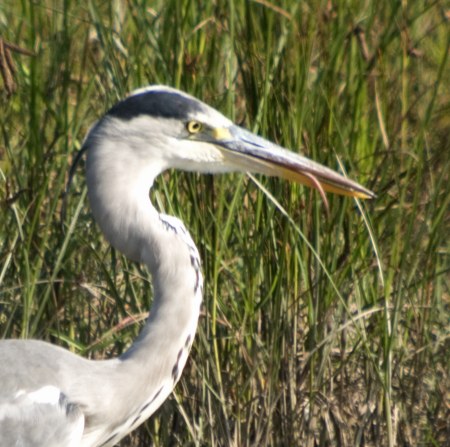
<point>343,340</point>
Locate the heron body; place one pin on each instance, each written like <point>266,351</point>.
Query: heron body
<point>52,397</point>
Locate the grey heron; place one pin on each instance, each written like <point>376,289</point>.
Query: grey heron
<point>52,397</point>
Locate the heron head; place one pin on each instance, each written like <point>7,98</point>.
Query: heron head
<point>168,128</point>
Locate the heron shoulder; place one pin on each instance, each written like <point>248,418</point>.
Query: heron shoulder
<point>43,416</point>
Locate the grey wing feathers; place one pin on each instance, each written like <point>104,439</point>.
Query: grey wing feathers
<point>40,418</point>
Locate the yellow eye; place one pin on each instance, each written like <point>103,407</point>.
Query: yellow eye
<point>194,126</point>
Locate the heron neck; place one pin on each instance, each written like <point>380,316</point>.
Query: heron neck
<point>119,196</point>
<point>174,263</point>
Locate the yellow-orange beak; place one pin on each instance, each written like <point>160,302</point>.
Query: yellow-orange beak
<point>246,151</point>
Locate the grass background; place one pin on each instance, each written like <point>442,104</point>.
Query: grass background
<point>315,330</point>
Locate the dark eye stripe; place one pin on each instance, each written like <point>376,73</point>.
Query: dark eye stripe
<point>156,103</point>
